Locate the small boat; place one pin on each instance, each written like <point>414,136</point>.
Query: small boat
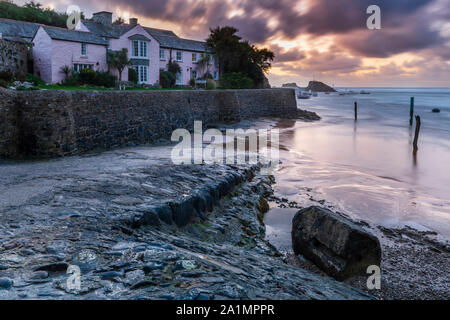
<point>315,94</point>
<point>436,110</point>
<point>303,95</point>
<point>364,92</point>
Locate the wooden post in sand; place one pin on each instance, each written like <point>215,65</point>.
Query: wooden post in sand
<point>416,135</point>
<point>411,111</point>
<point>356,110</point>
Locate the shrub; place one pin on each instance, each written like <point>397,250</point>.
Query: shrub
<point>166,79</point>
<point>6,75</point>
<point>105,79</point>
<point>73,79</point>
<point>21,76</point>
<point>88,76</point>
<point>192,82</point>
<point>210,84</point>
<point>235,80</point>
<point>132,75</point>
<point>34,79</point>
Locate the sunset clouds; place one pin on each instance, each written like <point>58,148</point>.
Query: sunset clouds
<point>327,39</point>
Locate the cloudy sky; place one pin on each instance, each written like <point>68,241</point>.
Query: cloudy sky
<point>323,39</point>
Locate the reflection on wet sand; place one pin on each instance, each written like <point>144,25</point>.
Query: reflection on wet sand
<point>364,168</point>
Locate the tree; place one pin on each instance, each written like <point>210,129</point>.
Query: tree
<point>118,21</point>
<point>203,65</point>
<point>173,67</point>
<point>238,56</point>
<point>67,71</point>
<point>118,60</point>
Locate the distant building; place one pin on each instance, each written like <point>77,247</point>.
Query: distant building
<point>149,49</point>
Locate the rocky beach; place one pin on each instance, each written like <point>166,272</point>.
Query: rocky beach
<point>105,213</point>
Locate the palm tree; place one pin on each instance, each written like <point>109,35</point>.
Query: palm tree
<point>203,64</point>
<point>66,70</point>
<point>118,60</point>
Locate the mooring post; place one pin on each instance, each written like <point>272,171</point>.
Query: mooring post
<point>411,111</point>
<point>356,110</point>
<point>416,135</point>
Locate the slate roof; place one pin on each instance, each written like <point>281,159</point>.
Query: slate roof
<point>98,34</point>
<point>166,38</point>
<point>18,29</point>
<point>73,35</point>
<point>182,44</point>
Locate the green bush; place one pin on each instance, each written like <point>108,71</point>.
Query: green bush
<point>133,75</point>
<point>73,79</point>
<point>6,75</point>
<point>192,82</point>
<point>105,79</point>
<point>34,79</point>
<point>88,76</point>
<point>166,79</point>
<point>210,84</point>
<point>235,80</point>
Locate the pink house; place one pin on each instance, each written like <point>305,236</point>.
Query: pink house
<point>55,48</point>
<point>149,50</point>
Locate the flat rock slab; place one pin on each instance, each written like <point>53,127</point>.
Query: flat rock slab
<point>335,244</point>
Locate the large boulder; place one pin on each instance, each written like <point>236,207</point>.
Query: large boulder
<point>335,244</point>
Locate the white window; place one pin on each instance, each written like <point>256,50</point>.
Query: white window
<point>194,57</point>
<point>143,49</point>
<point>179,78</point>
<point>162,54</point>
<point>142,72</point>
<point>139,49</point>
<point>77,67</point>
<point>179,56</point>
<point>83,49</point>
<point>216,75</point>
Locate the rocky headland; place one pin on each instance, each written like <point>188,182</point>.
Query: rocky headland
<point>318,86</point>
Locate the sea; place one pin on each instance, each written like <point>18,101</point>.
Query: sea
<point>366,169</point>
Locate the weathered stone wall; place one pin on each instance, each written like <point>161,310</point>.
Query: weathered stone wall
<point>13,56</point>
<point>58,123</point>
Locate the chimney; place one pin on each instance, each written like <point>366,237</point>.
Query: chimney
<point>103,17</point>
<point>133,21</point>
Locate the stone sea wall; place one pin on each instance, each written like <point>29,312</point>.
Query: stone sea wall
<point>58,123</point>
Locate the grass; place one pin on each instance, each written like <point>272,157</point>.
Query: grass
<point>88,87</point>
<point>72,88</point>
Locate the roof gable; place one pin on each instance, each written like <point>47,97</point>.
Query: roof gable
<point>139,37</point>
